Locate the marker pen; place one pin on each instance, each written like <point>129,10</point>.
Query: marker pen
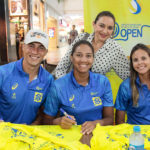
<point>65,113</point>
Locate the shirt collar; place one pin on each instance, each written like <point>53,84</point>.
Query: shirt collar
<point>90,84</point>
<point>138,81</point>
<point>139,84</point>
<point>104,47</point>
<point>91,36</point>
<point>19,65</point>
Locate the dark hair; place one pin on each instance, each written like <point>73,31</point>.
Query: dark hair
<point>84,42</point>
<point>105,13</point>
<point>134,74</point>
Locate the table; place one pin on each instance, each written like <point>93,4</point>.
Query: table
<point>48,137</point>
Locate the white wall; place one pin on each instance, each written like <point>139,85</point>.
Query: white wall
<point>64,7</point>
<point>73,7</point>
<point>56,8</point>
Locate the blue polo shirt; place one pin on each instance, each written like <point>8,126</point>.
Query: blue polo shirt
<point>85,103</point>
<point>139,114</point>
<point>19,98</point>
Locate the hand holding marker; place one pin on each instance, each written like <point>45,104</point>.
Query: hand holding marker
<point>65,113</point>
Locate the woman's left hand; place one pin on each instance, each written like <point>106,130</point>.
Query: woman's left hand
<point>88,127</point>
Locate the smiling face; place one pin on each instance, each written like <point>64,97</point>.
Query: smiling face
<point>82,59</point>
<point>141,62</point>
<point>33,54</point>
<point>104,28</point>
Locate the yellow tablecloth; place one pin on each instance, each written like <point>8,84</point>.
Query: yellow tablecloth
<point>117,137</point>
<point>24,137</point>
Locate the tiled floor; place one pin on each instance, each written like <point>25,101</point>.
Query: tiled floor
<point>54,55</point>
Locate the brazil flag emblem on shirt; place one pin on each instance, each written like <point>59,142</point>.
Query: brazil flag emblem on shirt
<point>97,101</point>
<point>38,97</point>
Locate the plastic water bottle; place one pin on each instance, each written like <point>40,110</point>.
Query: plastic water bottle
<point>136,140</point>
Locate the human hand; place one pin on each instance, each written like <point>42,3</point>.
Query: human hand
<point>1,121</point>
<point>67,123</point>
<point>86,138</point>
<point>88,127</point>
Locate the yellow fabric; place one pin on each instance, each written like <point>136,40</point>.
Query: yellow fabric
<point>116,137</point>
<point>23,137</point>
<point>115,82</point>
<point>15,137</point>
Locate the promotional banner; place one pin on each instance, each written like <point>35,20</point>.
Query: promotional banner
<point>132,20</point>
<point>132,25</point>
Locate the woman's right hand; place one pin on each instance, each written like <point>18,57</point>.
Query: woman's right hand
<point>67,123</point>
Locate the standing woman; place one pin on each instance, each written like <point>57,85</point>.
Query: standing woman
<point>134,93</point>
<point>84,95</point>
<point>108,54</point>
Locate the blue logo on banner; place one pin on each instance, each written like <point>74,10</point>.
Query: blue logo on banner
<point>126,30</point>
<point>135,8</point>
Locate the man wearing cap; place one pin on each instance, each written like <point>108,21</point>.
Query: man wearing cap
<point>24,84</point>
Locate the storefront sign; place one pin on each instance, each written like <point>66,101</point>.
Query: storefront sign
<point>18,7</point>
<point>51,32</point>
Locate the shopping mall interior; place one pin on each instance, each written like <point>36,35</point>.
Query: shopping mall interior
<point>72,14</point>
<point>55,17</point>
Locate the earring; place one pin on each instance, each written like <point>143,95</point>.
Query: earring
<point>112,36</point>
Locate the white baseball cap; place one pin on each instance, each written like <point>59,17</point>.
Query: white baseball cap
<point>37,36</point>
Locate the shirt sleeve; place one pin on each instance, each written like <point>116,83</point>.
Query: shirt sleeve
<point>108,98</point>
<point>121,102</point>
<point>121,63</point>
<point>65,63</point>
<point>1,78</point>
<point>52,103</point>
<point>49,83</point>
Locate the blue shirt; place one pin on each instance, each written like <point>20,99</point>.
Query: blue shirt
<point>139,114</point>
<point>85,103</point>
<point>19,98</point>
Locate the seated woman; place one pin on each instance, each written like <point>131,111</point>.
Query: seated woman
<point>85,96</point>
<point>134,93</point>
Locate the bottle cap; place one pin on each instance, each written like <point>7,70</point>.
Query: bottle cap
<point>136,129</point>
